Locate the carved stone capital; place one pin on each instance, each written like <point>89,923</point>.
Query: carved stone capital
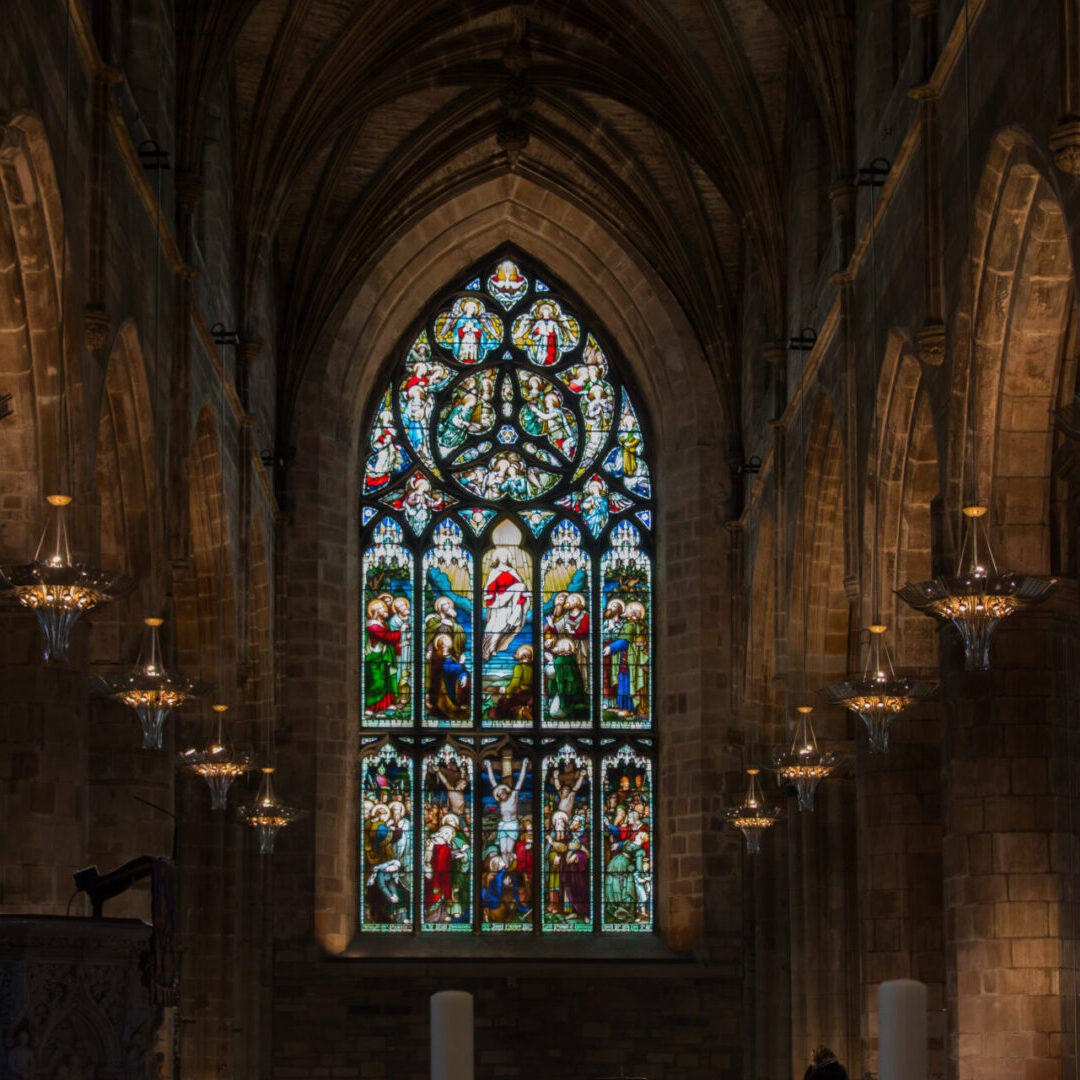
<point>774,352</point>
<point>932,342</point>
<point>1065,146</point>
<point>251,351</point>
<point>842,195</point>
<point>96,324</point>
<point>924,92</point>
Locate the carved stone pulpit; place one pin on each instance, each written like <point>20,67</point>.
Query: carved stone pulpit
<point>75,1000</point>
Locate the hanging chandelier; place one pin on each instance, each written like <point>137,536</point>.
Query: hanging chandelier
<point>150,688</point>
<point>804,764</point>
<point>753,816</point>
<point>218,763</point>
<point>267,815</point>
<point>978,596</point>
<point>57,589</point>
<point>878,695</point>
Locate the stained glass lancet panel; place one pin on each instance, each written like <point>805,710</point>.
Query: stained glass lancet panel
<point>386,850</point>
<point>388,628</point>
<point>627,871</point>
<point>568,841</point>
<point>566,595</point>
<point>626,588</point>
<point>506,610</point>
<point>508,648</point>
<point>447,853</point>
<point>448,629</point>
<point>506,829</point>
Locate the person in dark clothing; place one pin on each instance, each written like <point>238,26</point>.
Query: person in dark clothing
<point>824,1066</point>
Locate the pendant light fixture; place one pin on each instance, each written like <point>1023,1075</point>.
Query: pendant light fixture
<point>218,763</point>
<point>876,695</point>
<point>978,595</point>
<point>753,817</point>
<point>55,587</point>
<point>268,815</point>
<point>804,764</point>
<point>150,688</point>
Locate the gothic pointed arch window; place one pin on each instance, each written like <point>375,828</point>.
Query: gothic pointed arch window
<point>507,729</point>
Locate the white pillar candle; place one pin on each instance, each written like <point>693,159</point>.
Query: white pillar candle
<point>451,1035</point>
<point>902,1036</point>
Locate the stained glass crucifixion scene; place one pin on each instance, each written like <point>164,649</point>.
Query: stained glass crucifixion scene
<point>508,730</point>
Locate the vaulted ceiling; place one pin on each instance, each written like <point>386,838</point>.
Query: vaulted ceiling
<point>665,120</point>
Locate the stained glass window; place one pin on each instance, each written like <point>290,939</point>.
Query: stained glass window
<point>507,730</point>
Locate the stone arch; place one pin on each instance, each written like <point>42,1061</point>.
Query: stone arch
<point>209,574</point>
<point>124,475</point>
<point>903,480</point>
<point>820,613</point>
<point>1022,293</point>
<point>662,357</point>
<point>31,253</point>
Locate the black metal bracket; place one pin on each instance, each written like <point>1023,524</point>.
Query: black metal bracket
<point>874,174</point>
<point>222,336</point>
<point>749,466</point>
<point>5,406</point>
<point>152,156</point>
<point>804,341</point>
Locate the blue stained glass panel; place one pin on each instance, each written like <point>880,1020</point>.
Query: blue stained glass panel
<point>595,503</point>
<point>448,629</point>
<point>366,514</point>
<point>468,330</point>
<point>645,517</point>
<point>537,520</point>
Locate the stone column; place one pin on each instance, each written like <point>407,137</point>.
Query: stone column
<point>1011,852</point>
<point>1065,138</point>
